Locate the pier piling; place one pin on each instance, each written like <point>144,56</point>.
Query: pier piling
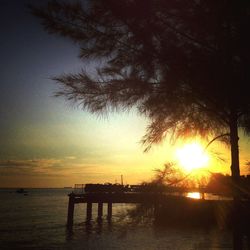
<point>100,210</point>
<point>109,211</point>
<point>71,207</point>
<point>89,211</point>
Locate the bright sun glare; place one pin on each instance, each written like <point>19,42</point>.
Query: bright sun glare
<point>192,156</point>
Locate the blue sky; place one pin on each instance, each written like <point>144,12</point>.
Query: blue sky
<point>38,129</point>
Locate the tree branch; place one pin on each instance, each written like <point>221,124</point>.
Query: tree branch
<point>216,138</point>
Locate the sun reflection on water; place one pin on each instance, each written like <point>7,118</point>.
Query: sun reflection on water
<point>194,195</point>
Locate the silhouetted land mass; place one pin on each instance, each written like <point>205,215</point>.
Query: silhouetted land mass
<point>223,185</point>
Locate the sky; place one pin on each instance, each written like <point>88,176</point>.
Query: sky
<point>48,142</point>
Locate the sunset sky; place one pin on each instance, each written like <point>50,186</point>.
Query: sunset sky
<point>47,142</point>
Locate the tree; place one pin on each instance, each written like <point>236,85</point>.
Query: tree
<point>184,64</point>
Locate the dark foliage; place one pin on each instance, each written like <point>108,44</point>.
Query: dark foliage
<point>184,64</point>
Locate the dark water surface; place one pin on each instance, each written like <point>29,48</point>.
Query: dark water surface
<point>37,221</point>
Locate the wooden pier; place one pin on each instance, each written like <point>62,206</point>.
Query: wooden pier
<point>108,199</point>
<point>105,195</point>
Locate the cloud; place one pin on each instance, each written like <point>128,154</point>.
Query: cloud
<point>28,167</point>
<point>70,157</point>
<point>68,166</point>
<point>55,172</point>
<point>17,163</point>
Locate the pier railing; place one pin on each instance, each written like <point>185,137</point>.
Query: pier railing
<point>79,189</point>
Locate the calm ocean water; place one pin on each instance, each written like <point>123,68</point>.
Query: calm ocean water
<point>37,221</point>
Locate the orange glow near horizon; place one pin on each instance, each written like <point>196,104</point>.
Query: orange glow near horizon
<point>192,156</point>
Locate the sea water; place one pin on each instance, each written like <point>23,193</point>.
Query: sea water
<point>38,221</point>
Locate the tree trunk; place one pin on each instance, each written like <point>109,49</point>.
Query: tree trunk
<point>235,170</point>
<point>235,164</point>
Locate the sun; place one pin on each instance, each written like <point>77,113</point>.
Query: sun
<point>192,156</point>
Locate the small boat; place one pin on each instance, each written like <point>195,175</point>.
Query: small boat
<point>21,191</point>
